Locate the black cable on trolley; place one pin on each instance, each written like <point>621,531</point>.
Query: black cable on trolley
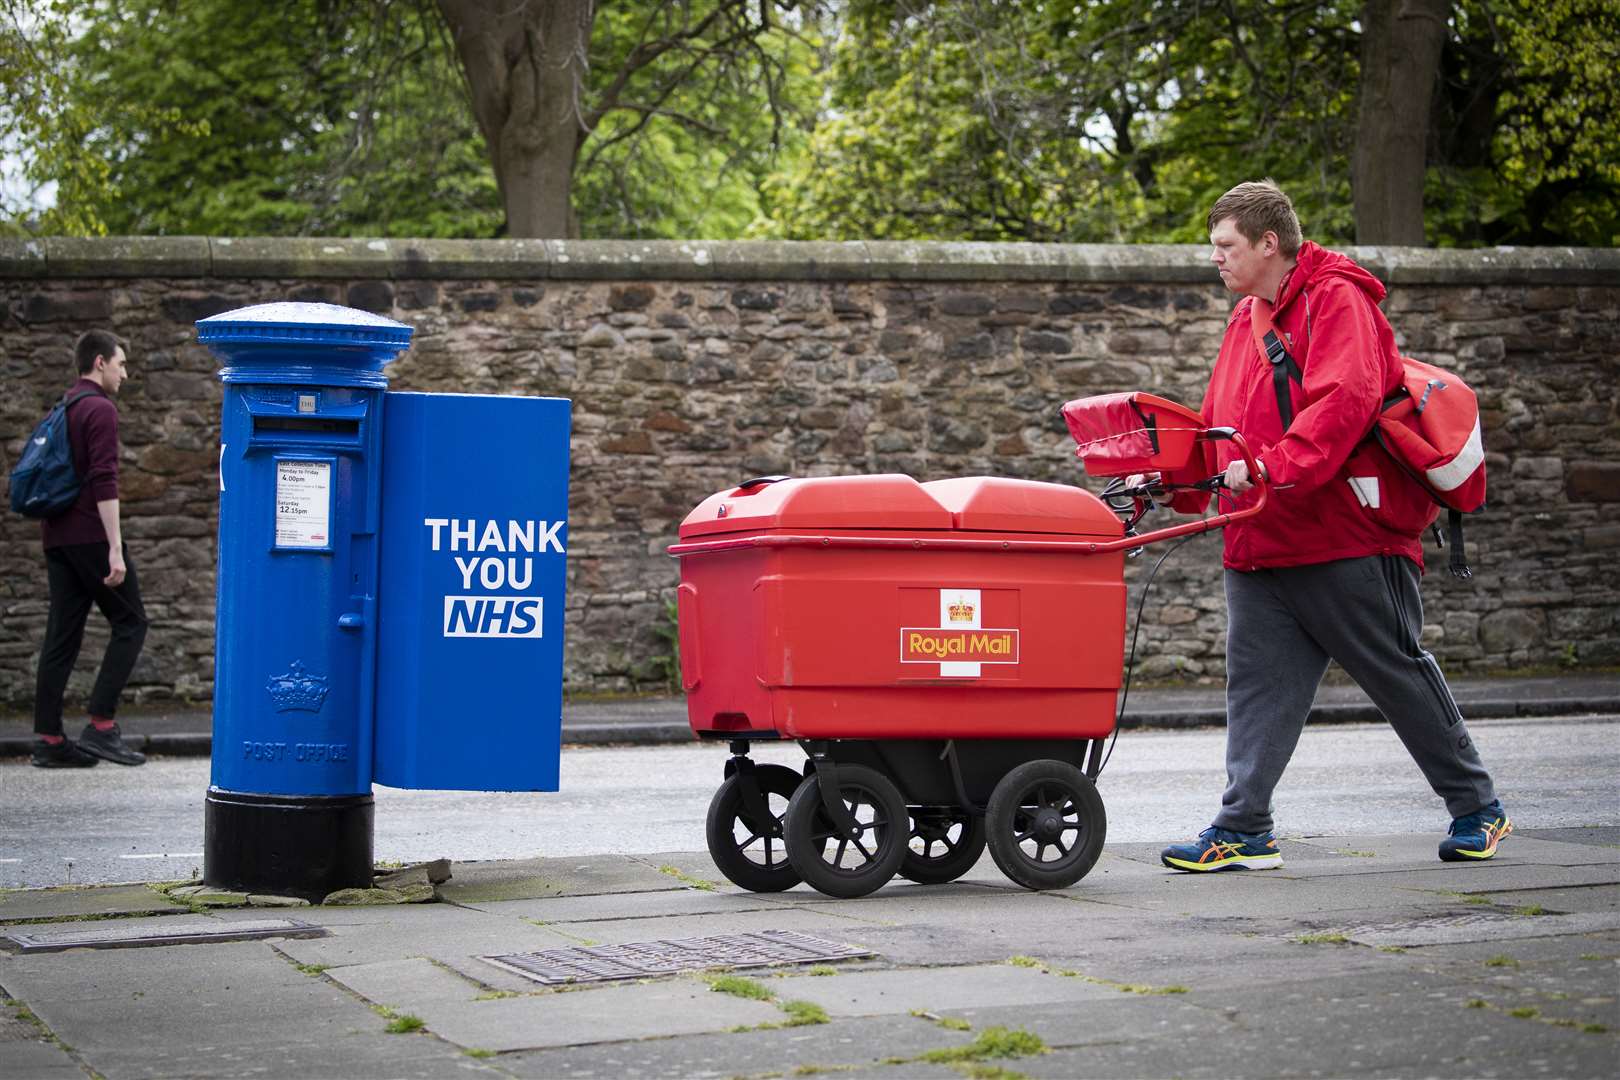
<point>1141,603</point>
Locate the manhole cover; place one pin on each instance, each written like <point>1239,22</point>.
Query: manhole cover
<point>169,932</point>
<point>639,959</point>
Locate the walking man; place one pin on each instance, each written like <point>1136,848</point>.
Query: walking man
<point>1329,570</point>
<point>86,563</point>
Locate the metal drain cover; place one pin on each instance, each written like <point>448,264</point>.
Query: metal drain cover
<point>640,959</point>
<point>167,932</point>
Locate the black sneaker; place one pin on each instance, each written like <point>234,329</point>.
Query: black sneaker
<point>109,746</point>
<point>62,755</point>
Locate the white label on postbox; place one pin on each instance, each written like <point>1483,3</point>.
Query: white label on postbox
<point>303,504</point>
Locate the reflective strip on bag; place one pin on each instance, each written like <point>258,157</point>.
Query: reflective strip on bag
<point>1455,473</point>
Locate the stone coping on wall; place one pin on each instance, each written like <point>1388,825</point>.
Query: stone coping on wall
<point>737,260</point>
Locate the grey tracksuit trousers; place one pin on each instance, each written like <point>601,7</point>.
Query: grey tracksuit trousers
<point>1283,626</point>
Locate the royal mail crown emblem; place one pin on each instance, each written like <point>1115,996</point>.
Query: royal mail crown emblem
<point>297,690</point>
<point>960,612</point>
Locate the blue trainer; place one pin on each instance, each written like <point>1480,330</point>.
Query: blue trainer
<point>1222,849</point>
<point>1475,836</point>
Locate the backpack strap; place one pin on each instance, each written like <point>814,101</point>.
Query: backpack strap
<point>1271,346</point>
<point>69,399</point>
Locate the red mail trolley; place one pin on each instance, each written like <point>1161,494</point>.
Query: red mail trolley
<point>948,654</point>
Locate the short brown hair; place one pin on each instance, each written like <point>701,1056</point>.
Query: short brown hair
<point>94,343</point>
<point>1256,208</point>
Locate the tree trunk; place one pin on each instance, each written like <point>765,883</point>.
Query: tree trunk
<point>1400,63</point>
<point>525,62</point>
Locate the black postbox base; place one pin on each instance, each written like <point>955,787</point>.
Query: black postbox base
<point>287,845</point>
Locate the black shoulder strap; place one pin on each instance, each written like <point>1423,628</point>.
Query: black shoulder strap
<point>1277,355</point>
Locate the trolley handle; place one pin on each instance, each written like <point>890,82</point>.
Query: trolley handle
<point>1142,494</point>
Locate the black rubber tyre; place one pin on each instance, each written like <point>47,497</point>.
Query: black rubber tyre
<point>848,868</point>
<point>752,857</point>
<point>946,842</point>
<point>1046,824</point>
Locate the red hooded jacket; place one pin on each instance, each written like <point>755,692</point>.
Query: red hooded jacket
<point>1327,312</point>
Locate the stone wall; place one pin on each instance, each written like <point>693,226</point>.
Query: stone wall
<point>692,366</point>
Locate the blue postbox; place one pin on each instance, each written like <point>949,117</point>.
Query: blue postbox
<point>389,599</point>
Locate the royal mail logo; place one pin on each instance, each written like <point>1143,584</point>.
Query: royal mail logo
<point>940,645</point>
<point>958,643</point>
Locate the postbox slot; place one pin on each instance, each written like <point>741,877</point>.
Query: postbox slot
<point>315,425</point>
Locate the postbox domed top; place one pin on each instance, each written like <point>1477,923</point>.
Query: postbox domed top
<point>284,341</point>
<point>314,323</point>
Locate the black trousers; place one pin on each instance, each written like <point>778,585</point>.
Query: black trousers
<point>77,573</point>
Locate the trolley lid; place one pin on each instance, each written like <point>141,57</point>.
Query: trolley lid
<point>884,501</point>
<point>1003,504</point>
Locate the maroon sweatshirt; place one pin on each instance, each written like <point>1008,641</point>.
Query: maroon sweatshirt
<point>93,437</point>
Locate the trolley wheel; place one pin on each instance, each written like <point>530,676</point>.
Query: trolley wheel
<point>752,854</point>
<point>852,867</point>
<point>946,842</point>
<point>1046,824</point>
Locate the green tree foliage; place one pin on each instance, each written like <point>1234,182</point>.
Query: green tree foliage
<point>1100,120</point>
<point>1095,121</point>
<point>1529,125</point>
<point>43,117</point>
<point>1091,120</point>
<point>689,163</point>
<point>350,118</point>
<point>302,117</point>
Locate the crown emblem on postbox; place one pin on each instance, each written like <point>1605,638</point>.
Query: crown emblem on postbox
<point>960,612</point>
<point>297,690</point>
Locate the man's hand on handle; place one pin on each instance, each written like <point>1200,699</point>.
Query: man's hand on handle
<point>1237,477</point>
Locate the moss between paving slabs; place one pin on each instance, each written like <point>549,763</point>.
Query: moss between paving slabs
<point>23,1014</point>
<point>1097,980</point>
<point>687,879</point>
<point>994,1042</point>
<point>799,1013</point>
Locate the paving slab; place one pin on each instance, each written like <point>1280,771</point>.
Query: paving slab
<point>1437,1033</point>
<point>212,1010</point>
<point>934,989</point>
<point>598,1014</point>
<point>1314,1027</point>
<point>27,904</point>
<point>524,879</point>
<point>1519,849</point>
<point>638,905</point>
<point>406,986</point>
<point>26,1052</point>
<point>842,1045</point>
<point>37,1060</point>
<point>1203,956</point>
<point>814,921</point>
<point>438,931</point>
<point>1597,835</point>
<point>1563,899</point>
<point>1109,1021</point>
<point>1475,926</point>
<point>966,905</point>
